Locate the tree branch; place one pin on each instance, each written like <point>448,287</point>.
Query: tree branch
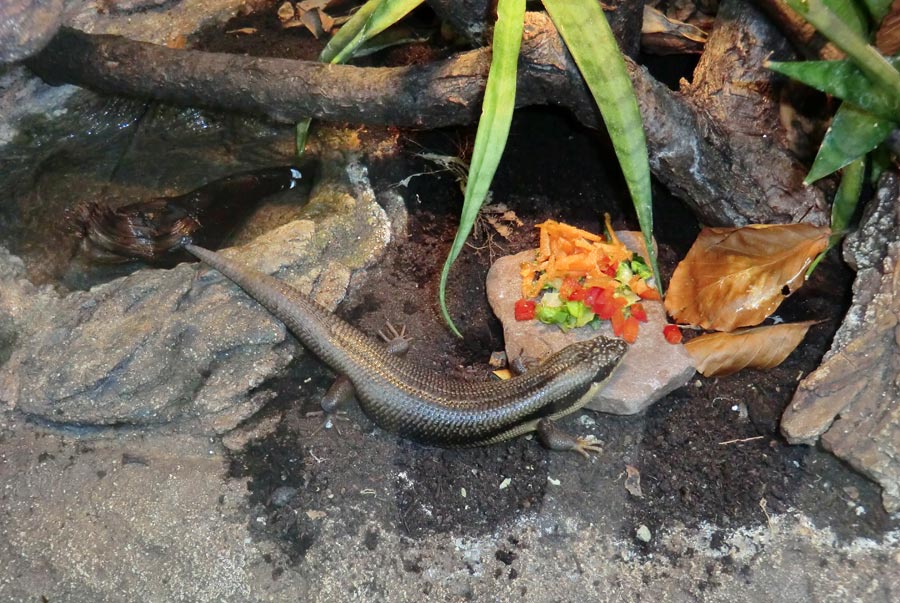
<point>691,152</point>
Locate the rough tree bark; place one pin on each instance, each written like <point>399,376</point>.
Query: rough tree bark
<point>726,170</point>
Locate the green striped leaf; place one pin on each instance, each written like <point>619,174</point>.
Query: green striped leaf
<point>853,133</point>
<point>865,56</point>
<point>844,206</point>
<point>850,13</point>
<point>587,34</point>
<point>878,9</point>
<point>844,80</point>
<point>373,18</point>
<point>493,130</point>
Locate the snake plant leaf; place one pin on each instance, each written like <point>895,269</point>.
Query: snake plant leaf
<point>493,130</point>
<point>844,80</point>
<point>865,56</point>
<point>373,18</point>
<point>844,205</point>
<point>882,159</point>
<point>853,133</point>
<point>348,31</point>
<point>850,13</point>
<point>587,34</point>
<point>878,8</point>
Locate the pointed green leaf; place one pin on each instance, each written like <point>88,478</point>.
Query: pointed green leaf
<point>844,80</point>
<point>850,13</point>
<point>878,9</point>
<point>845,199</point>
<point>383,14</point>
<point>881,161</point>
<point>348,31</point>
<point>493,129</point>
<point>844,206</point>
<point>301,135</point>
<point>866,57</point>
<point>587,34</point>
<point>853,133</point>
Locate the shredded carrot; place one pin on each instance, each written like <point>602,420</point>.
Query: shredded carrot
<point>569,251</point>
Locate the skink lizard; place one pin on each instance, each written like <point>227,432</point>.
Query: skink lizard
<point>403,398</point>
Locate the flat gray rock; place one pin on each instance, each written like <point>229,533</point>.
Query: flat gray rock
<point>650,369</point>
<point>852,401</point>
<point>184,348</point>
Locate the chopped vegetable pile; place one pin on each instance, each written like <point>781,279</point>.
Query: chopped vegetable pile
<point>582,279</point>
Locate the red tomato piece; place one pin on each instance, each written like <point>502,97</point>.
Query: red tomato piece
<point>578,294</point>
<point>630,329</point>
<point>672,334</point>
<point>570,288</point>
<point>591,296</point>
<point>603,306</point>
<point>524,309</point>
<point>637,310</point>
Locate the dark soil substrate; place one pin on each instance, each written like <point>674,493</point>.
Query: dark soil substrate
<point>689,474</point>
<point>551,169</point>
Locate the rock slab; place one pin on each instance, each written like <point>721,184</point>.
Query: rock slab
<point>650,369</point>
<point>852,401</point>
<point>182,349</point>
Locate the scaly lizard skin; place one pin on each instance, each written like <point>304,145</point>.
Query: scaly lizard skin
<point>403,398</point>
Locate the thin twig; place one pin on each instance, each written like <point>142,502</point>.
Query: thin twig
<point>741,440</point>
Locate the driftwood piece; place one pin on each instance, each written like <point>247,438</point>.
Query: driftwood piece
<point>852,401</point>
<point>726,127</point>
<point>803,35</point>
<point>691,151</point>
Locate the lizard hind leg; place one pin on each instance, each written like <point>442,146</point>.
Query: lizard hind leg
<point>555,438</point>
<point>342,391</point>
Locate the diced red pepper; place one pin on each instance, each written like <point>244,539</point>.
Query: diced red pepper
<point>578,294</point>
<point>672,334</point>
<point>571,290</point>
<point>637,310</point>
<point>524,309</point>
<point>630,329</point>
<point>603,306</point>
<point>591,296</point>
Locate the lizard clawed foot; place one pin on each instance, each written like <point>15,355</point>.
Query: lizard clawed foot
<point>522,363</point>
<point>585,445</point>
<point>554,438</point>
<point>397,341</point>
<point>330,420</point>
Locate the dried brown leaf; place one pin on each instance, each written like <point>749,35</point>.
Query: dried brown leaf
<point>736,277</point>
<point>285,12</point>
<point>312,21</point>
<point>718,354</point>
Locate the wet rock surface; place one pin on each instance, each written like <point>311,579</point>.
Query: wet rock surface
<point>852,401</point>
<point>178,349</point>
<point>650,369</point>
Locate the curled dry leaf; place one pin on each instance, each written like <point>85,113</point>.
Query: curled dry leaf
<point>736,277</point>
<point>718,354</point>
